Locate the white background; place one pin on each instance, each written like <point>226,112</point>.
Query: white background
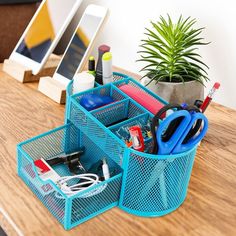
<point>128,18</point>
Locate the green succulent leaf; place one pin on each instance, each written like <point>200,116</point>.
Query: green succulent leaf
<point>170,51</point>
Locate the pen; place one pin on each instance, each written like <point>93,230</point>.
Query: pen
<point>209,97</point>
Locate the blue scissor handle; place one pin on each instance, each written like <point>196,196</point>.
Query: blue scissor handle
<point>183,147</point>
<point>165,148</point>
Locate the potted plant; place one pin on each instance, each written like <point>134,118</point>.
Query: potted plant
<point>173,68</point>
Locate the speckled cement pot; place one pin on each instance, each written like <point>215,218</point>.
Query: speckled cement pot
<point>179,93</point>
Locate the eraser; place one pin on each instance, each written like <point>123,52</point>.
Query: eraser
<point>143,98</point>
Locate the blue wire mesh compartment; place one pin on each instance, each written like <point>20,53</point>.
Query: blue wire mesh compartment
<point>69,90</point>
<point>122,128</point>
<point>116,77</point>
<point>143,184</point>
<point>107,90</point>
<point>117,112</point>
<point>90,126</point>
<point>152,185</point>
<point>69,210</point>
<point>155,185</point>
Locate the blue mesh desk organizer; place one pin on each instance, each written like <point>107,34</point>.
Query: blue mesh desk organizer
<point>145,185</point>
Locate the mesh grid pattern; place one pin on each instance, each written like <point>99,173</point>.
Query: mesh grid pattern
<point>117,112</point>
<point>151,187</point>
<point>98,134</point>
<point>84,205</point>
<point>142,119</point>
<point>107,90</point>
<point>111,114</point>
<point>45,192</point>
<point>107,194</point>
<point>155,186</point>
<point>118,76</point>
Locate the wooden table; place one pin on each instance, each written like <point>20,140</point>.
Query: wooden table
<point>210,207</point>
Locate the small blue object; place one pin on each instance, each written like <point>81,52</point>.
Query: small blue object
<point>176,143</point>
<point>93,101</point>
<point>184,105</point>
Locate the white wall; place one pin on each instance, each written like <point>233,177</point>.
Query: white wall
<point>127,20</point>
<point>58,17</point>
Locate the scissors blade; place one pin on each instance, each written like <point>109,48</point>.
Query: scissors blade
<point>183,146</point>
<point>166,147</point>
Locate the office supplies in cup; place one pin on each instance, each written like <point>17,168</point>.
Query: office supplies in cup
<point>186,133</point>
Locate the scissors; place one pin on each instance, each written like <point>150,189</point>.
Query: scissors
<point>180,131</point>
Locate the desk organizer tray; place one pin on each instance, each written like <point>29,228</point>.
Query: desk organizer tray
<point>152,185</point>
<point>146,185</point>
<point>68,210</point>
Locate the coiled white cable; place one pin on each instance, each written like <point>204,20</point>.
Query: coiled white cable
<point>90,181</point>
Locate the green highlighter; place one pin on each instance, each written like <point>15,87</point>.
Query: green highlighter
<point>91,66</point>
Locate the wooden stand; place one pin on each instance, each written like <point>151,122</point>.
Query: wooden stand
<point>24,74</point>
<point>53,89</point>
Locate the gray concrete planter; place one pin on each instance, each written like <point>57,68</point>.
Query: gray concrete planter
<point>179,93</point>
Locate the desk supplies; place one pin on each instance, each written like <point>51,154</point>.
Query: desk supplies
<point>91,66</point>
<point>72,161</point>
<point>89,129</point>
<point>97,173</point>
<point>144,99</point>
<point>185,121</point>
<point>82,82</point>
<point>209,98</point>
<point>45,171</point>
<point>94,101</point>
<point>101,50</point>
<point>107,75</point>
<point>87,180</point>
<point>137,138</point>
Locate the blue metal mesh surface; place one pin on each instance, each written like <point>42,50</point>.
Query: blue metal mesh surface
<point>69,91</point>
<point>154,187</point>
<point>45,192</point>
<point>116,77</point>
<point>107,90</point>
<point>144,184</point>
<point>106,140</point>
<point>73,210</point>
<point>96,201</point>
<point>117,112</point>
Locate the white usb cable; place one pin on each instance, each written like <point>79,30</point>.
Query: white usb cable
<point>90,180</point>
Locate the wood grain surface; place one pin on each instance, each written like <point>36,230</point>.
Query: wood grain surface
<point>210,207</point>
